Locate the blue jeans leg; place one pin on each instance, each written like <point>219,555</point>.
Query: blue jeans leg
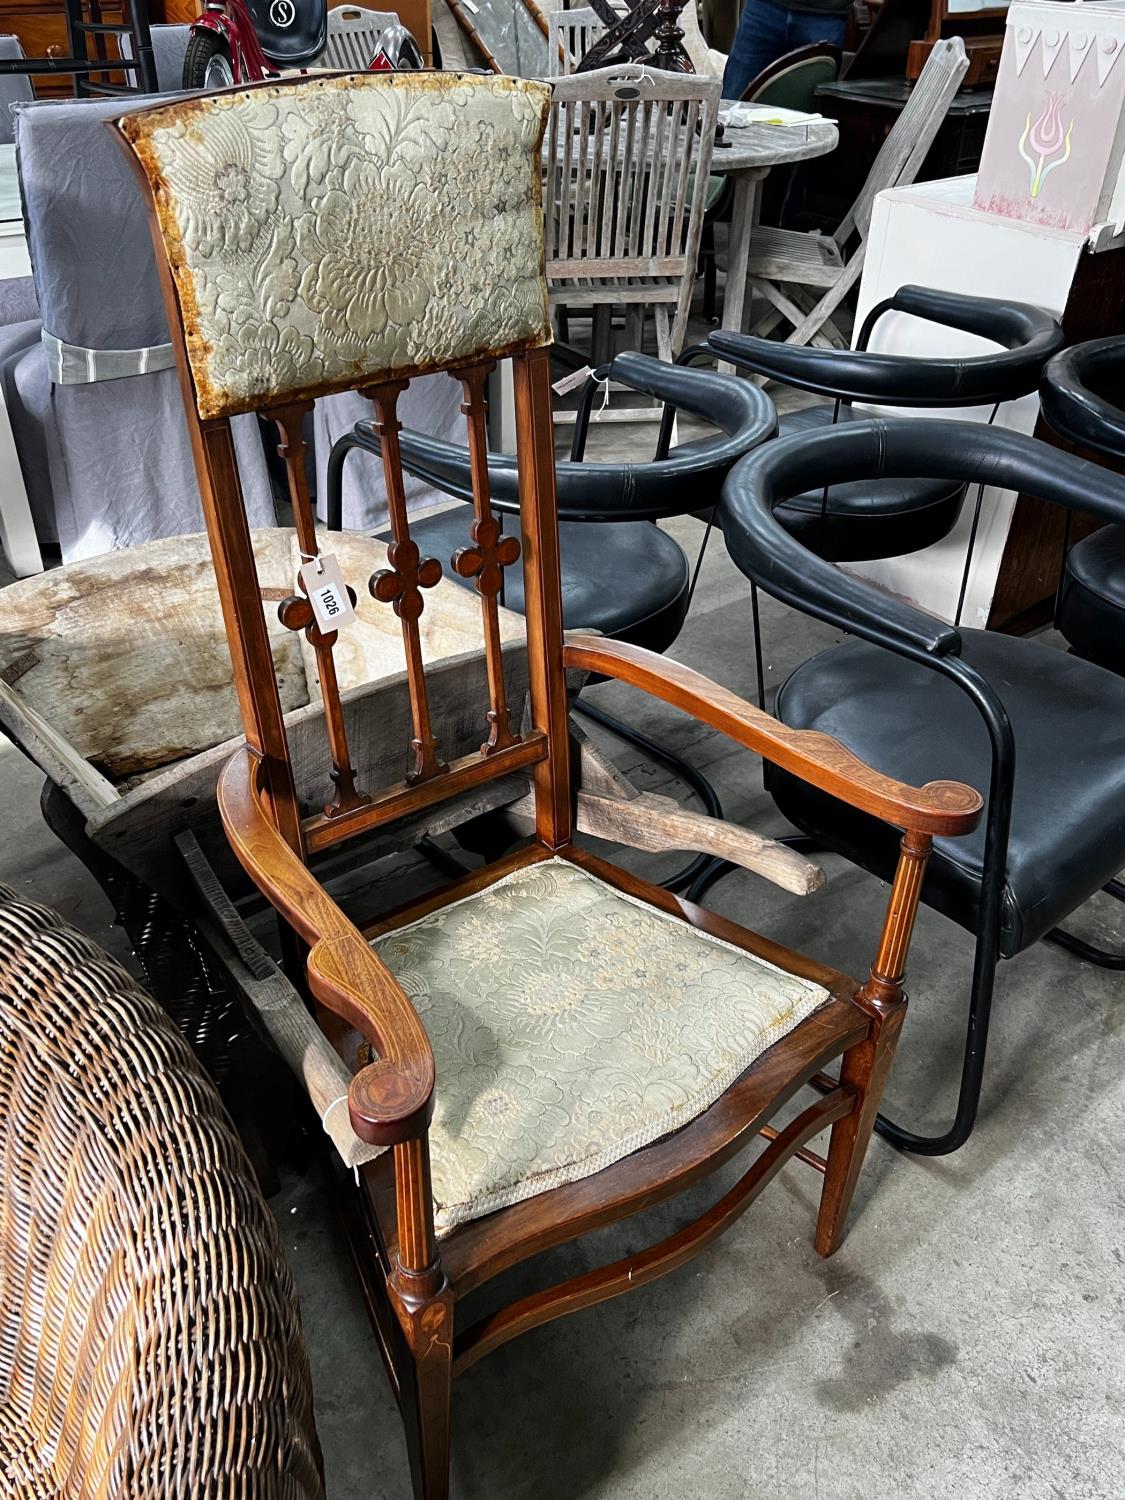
<point>766,32</point>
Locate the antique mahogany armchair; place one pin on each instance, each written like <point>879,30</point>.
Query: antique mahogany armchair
<point>558,1044</point>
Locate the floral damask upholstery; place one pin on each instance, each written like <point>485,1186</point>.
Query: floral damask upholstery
<point>328,229</point>
<point>572,1025</point>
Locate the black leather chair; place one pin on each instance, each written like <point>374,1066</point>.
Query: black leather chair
<point>890,518</point>
<point>1091,604</point>
<point>923,700</point>
<point>621,574</point>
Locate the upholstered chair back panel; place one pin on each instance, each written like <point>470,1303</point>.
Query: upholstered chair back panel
<point>355,228</point>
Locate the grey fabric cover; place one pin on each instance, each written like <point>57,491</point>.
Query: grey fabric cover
<point>27,395</point>
<point>18,302</point>
<point>15,88</point>
<point>70,364</point>
<point>169,47</point>
<point>430,404</point>
<point>118,456</point>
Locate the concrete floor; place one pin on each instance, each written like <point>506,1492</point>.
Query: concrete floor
<point>967,1340</point>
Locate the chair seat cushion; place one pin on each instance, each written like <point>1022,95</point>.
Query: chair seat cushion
<point>1068,811</point>
<point>1091,613</point>
<point>872,518</point>
<point>571,1025</point>
<point>627,579</point>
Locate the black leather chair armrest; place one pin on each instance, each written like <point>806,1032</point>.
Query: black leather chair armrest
<point>1027,337</point>
<point>690,477</point>
<point>1070,399</point>
<point>964,451</point>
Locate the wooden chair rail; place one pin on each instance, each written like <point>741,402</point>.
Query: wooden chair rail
<point>389,1101</point>
<point>940,807</point>
<point>637,1270</point>
<point>322,830</point>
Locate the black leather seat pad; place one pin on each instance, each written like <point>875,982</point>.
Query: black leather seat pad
<point>1091,613</point>
<point>1068,817</point>
<point>627,579</point>
<point>871,519</point>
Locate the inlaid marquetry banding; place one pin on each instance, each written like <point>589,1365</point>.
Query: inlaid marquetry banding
<point>486,558</point>
<point>296,613</point>
<point>402,583</point>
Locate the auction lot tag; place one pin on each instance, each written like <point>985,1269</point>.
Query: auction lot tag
<point>572,382</point>
<point>327,593</point>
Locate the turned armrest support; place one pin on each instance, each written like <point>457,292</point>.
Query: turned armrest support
<point>940,807</point>
<point>390,1100</point>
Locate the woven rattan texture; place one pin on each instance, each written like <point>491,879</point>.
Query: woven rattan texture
<point>150,1342</point>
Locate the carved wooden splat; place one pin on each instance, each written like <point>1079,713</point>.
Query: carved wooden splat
<point>296,613</point>
<point>402,583</point>
<point>487,557</point>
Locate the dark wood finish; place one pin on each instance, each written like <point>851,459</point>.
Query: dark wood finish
<point>390,1100</point>
<point>637,1270</point>
<point>982,32</point>
<point>865,109</point>
<point>983,53</point>
<point>542,589</point>
<point>1024,596</point>
<point>412,1281</point>
<point>626,34</point>
<point>902,33</point>
<point>407,798</point>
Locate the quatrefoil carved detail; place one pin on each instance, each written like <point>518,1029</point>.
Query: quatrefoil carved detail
<point>486,559</point>
<point>402,583</point>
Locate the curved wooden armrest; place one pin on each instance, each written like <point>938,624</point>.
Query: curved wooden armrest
<point>391,1100</point>
<point>940,807</point>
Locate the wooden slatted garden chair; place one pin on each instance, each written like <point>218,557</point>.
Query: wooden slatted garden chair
<point>623,152</point>
<point>805,276</point>
<point>549,1045</point>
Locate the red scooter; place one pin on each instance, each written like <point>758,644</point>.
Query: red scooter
<point>242,41</point>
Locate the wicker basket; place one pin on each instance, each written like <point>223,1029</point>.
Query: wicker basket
<point>150,1342</point>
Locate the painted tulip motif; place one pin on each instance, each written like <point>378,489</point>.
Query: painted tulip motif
<point>1045,145</point>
